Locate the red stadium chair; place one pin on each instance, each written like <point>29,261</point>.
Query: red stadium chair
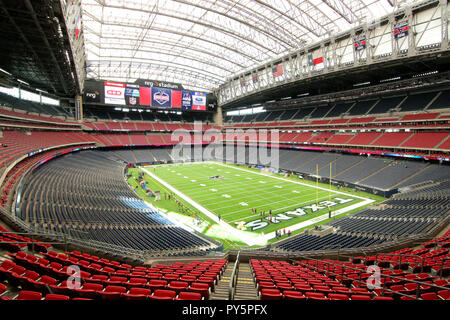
<point>29,295</point>
<point>338,296</point>
<point>430,296</point>
<point>136,293</point>
<point>360,297</point>
<point>2,288</point>
<point>293,295</point>
<point>42,284</point>
<point>383,298</point>
<point>112,293</point>
<point>51,296</point>
<point>97,278</point>
<point>161,294</point>
<point>65,288</point>
<point>90,290</point>
<point>271,294</point>
<point>202,288</point>
<point>156,284</point>
<point>444,294</point>
<point>183,295</point>
<point>178,286</point>
<point>136,282</point>
<point>116,281</point>
<point>315,296</point>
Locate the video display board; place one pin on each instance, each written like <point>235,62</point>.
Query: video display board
<point>147,93</point>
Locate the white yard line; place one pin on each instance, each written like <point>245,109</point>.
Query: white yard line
<point>251,238</point>
<point>303,184</point>
<point>247,237</point>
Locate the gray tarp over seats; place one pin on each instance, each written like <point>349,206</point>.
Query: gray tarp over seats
<point>162,154</point>
<point>363,169</point>
<point>392,174</point>
<point>342,163</point>
<point>143,155</point>
<point>322,160</point>
<point>86,196</point>
<point>433,172</point>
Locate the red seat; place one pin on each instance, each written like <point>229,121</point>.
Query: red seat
<point>430,296</point>
<point>29,295</point>
<point>188,279</point>
<point>116,281</point>
<point>383,298</point>
<point>23,279</point>
<point>271,294</point>
<point>360,297</point>
<point>338,296</point>
<point>266,285</point>
<point>202,288</point>
<point>178,286</point>
<point>12,274</point>
<point>52,296</point>
<point>112,292</point>
<point>66,288</point>
<point>315,296</point>
<point>136,282</point>
<point>161,294</point>
<point>207,280</point>
<point>184,295</point>
<point>156,284</point>
<point>171,276</point>
<point>303,287</point>
<point>41,284</point>
<point>97,278</point>
<point>293,295</point>
<point>2,288</point>
<point>444,294</point>
<point>90,290</point>
<point>361,291</point>
<point>136,293</point>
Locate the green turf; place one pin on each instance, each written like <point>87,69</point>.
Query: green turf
<point>233,197</point>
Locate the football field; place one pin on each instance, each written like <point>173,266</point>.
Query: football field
<point>227,194</point>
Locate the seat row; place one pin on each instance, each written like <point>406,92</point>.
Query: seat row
<point>112,293</point>
<point>97,286</point>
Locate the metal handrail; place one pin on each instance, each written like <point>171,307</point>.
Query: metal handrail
<point>233,280</point>
<point>401,257</point>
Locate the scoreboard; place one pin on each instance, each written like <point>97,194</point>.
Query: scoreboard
<point>145,93</point>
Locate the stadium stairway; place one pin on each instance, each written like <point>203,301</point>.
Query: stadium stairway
<point>221,290</point>
<point>245,285</point>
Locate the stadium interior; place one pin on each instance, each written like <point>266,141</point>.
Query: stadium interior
<point>96,97</point>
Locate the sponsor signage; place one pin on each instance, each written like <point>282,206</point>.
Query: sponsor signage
<point>92,96</point>
<point>115,93</point>
<point>132,95</point>
<point>161,98</point>
<point>198,101</point>
<point>159,84</point>
<point>186,100</point>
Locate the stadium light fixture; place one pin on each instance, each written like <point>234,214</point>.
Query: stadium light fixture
<point>4,71</point>
<point>21,81</point>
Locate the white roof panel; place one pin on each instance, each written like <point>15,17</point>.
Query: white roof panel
<point>200,43</point>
